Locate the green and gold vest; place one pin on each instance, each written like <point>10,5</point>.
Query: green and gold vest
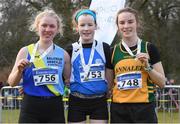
<point>132,83</point>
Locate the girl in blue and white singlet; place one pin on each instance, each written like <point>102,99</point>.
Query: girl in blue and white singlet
<point>42,66</point>
<point>91,72</point>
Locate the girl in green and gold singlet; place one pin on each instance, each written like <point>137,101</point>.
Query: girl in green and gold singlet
<point>138,70</point>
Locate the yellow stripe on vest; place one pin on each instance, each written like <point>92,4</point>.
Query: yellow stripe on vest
<point>150,91</point>
<point>40,63</point>
<point>151,87</point>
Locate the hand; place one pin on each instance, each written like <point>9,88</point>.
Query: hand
<point>22,64</point>
<point>109,94</point>
<point>67,82</point>
<point>21,91</point>
<point>143,57</point>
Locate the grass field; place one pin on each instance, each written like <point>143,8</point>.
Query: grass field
<point>11,116</point>
<point>167,117</point>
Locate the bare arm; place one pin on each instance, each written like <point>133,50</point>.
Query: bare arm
<point>157,74</point>
<point>109,77</point>
<point>20,64</point>
<point>67,68</point>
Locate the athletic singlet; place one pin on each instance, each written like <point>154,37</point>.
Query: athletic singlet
<point>95,83</point>
<point>132,82</point>
<point>44,76</point>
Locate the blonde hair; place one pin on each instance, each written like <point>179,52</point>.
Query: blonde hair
<point>46,12</point>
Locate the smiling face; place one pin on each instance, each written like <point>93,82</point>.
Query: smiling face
<point>47,28</point>
<point>86,27</point>
<point>127,25</point>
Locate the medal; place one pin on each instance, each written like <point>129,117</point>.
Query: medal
<point>30,64</point>
<point>86,78</point>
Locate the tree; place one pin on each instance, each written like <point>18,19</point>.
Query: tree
<point>161,26</point>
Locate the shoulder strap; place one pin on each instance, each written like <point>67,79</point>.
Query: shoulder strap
<point>113,52</point>
<point>100,49</point>
<point>75,51</point>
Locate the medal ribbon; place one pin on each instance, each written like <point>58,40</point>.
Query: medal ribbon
<point>44,53</point>
<point>129,51</point>
<point>86,68</point>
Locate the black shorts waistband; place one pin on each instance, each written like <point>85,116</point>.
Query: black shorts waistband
<point>43,97</point>
<point>83,96</point>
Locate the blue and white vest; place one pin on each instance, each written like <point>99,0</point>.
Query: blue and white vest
<point>44,76</point>
<point>96,82</point>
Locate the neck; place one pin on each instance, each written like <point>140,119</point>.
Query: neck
<point>131,41</point>
<point>86,41</point>
<point>44,45</point>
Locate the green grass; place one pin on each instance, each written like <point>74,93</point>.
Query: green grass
<point>169,117</point>
<point>11,116</point>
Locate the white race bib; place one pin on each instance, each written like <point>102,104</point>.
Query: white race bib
<point>43,76</point>
<point>96,73</point>
<point>131,80</point>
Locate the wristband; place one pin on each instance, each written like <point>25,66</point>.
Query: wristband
<point>148,68</point>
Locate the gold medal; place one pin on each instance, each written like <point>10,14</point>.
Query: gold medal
<point>86,78</point>
<point>30,64</point>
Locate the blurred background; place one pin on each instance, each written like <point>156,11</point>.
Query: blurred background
<point>160,25</point>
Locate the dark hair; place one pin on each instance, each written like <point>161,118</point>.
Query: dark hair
<point>80,10</point>
<point>130,10</point>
